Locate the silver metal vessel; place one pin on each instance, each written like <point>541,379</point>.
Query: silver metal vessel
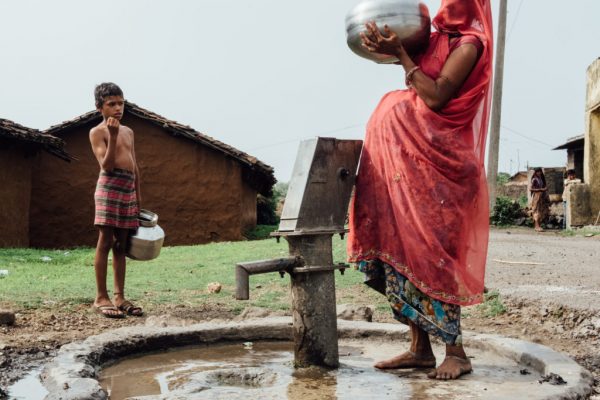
<point>409,19</point>
<point>146,243</point>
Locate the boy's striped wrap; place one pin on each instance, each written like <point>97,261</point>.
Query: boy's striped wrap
<point>116,200</point>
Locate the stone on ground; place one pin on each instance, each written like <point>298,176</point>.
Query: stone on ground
<point>353,312</point>
<point>7,317</point>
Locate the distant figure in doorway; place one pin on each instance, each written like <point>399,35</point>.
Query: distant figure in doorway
<point>539,198</point>
<point>117,199</point>
<point>571,179</point>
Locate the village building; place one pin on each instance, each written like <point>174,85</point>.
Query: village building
<point>591,169</point>
<point>202,189</point>
<point>19,148</point>
<point>516,187</point>
<point>583,155</point>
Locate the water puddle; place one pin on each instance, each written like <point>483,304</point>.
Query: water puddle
<point>264,370</point>
<point>28,388</point>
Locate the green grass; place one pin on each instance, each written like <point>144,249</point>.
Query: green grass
<point>179,276</point>
<point>580,232</point>
<point>492,306</point>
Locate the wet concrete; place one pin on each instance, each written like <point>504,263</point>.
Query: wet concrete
<point>73,373</point>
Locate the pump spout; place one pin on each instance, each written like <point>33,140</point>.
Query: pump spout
<point>244,270</point>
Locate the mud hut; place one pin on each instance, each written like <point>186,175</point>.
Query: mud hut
<point>516,187</point>
<point>19,148</point>
<point>202,189</point>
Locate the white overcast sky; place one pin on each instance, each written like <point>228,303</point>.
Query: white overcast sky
<point>261,75</point>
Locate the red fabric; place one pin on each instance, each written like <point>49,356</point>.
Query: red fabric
<point>116,200</point>
<point>421,202</point>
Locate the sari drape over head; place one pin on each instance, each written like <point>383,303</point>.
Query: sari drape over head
<point>421,202</point>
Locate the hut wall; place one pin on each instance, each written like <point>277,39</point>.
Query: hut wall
<point>15,193</point>
<point>555,180</point>
<point>197,192</point>
<point>592,137</point>
<point>248,207</point>
<point>514,192</point>
<point>593,160</point>
<point>62,203</point>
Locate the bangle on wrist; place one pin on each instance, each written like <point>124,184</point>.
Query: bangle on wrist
<point>409,75</point>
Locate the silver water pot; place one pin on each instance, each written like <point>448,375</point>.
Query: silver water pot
<point>409,19</point>
<point>146,242</point>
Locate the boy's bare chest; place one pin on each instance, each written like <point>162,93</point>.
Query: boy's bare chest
<point>124,141</point>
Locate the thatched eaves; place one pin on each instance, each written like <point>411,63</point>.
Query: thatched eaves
<point>258,174</point>
<point>14,132</point>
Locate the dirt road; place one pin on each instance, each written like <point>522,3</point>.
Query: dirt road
<point>561,270</point>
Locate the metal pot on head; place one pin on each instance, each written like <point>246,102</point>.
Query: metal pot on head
<point>409,19</point>
<point>146,242</point>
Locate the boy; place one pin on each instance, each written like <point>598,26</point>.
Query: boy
<point>117,199</point>
<point>571,179</point>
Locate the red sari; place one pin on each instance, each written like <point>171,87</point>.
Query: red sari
<point>421,202</point>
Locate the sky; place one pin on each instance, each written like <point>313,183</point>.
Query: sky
<point>262,75</point>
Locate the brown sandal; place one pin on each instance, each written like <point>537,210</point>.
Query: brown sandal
<point>130,309</point>
<point>106,311</point>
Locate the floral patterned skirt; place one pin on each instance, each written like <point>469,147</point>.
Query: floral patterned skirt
<point>409,303</point>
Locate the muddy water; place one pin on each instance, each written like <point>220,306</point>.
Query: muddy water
<point>264,370</point>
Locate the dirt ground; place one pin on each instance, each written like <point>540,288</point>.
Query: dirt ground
<point>553,301</point>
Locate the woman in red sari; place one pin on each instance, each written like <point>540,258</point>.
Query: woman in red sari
<point>419,217</point>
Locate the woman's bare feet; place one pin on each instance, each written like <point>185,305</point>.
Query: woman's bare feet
<point>452,368</point>
<point>407,360</point>
<point>419,356</point>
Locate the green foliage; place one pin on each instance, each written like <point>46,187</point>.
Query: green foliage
<point>523,201</point>
<point>260,232</point>
<point>492,305</point>
<point>505,211</point>
<point>266,207</point>
<point>265,210</point>
<point>280,190</point>
<point>502,178</point>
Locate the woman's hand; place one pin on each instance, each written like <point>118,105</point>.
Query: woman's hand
<point>376,42</point>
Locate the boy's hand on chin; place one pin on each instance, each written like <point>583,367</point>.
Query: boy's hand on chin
<point>113,126</point>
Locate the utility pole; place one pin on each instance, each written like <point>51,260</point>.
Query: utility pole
<point>494,146</point>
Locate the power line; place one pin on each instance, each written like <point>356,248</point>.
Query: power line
<point>512,26</point>
<point>525,136</point>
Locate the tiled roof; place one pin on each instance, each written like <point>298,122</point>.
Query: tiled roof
<point>13,131</point>
<point>259,174</point>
